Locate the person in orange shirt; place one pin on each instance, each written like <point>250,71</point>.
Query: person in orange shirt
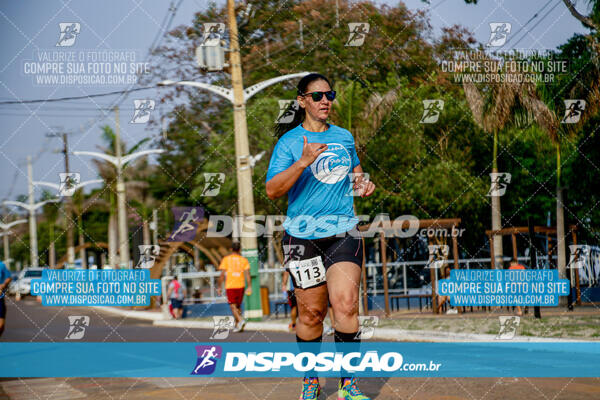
<point>234,268</point>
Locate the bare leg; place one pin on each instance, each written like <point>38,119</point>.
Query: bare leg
<point>294,314</point>
<point>343,281</point>
<point>237,315</point>
<point>441,301</point>
<point>2,320</point>
<point>312,308</point>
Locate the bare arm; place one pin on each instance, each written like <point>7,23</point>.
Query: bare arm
<point>281,183</point>
<point>364,187</point>
<point>284,281</point>
<point>248,282</point>
<point>220,282</point>
<point>4,285</point>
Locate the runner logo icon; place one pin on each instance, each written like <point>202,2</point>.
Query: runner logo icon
<point>68,33</point>
<point>207,359</point>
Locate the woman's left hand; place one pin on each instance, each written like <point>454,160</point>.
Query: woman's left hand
<point>363,186</point>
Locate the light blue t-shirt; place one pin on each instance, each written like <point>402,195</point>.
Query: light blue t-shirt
<point>4,273</point>
<point>320,202</point>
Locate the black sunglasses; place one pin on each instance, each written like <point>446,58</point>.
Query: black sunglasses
<point>317,96</point>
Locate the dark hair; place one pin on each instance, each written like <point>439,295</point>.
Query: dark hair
<point>300,113</point>
<point>235,246</point>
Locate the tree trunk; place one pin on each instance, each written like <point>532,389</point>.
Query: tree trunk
<point>496,214</point>
<point>146,232</point>
<point>560,225</point>
<point>112,240</point>
<point>497,225</point>
<point>584,19</point>
<point>82,252</point>
<point>560,238</point>
<point>51,255</point>
<point>196,258</point>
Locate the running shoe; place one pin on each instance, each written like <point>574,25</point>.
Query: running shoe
<point>242,325</point>
<point>310,389</point>
<point>349,391</point>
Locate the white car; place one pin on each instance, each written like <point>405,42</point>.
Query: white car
<point>12,286</point>
<point>25,277</point>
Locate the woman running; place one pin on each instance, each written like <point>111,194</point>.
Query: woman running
<point>323,249</point>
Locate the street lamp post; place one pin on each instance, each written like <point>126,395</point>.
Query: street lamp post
<point>31,207</point>
<point>238,97</point>
<point>119,162</point>
<point>70,249</point>
<point>5,233</point>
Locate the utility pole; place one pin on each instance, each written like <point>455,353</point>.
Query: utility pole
<point>69,202</point>
<point>244,172</point>
<point>33,245</point>
<point>121,202</point>
<point>68,207</point>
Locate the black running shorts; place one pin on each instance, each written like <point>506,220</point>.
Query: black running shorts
<point>332,249</point>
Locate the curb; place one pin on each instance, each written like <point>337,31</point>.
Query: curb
<point>143,315</point>
<point>399,335</point>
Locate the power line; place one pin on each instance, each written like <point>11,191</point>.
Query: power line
<point>438,4</point>
<point>528,21</point>
<point>157,39</point>
<point>76,97</point>
<point>533,27</point>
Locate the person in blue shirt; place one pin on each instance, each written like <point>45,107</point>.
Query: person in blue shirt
<point>316,165</point>
<point>5,278</point>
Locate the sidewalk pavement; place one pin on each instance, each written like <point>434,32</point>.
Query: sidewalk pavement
<point>392,334</point>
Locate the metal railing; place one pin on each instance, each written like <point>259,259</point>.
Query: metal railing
<point>272,277</point>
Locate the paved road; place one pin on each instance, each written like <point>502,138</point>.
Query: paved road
<point>29,321</point>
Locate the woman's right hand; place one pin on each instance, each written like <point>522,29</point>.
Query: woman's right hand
<point>310,152</point>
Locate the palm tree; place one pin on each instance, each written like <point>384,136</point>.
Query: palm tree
<point>496,106</point>
<point>585,86</point>
<point>80,206</point>
<point>139,194</point>
<point>108,172</point>
<point>363,119</point>
<point>50,212</point>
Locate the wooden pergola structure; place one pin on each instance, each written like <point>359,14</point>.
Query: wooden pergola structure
<point>214,248</point>
<point>448,224</point>
<point>524,230</point>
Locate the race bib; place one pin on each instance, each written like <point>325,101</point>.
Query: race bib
<point>307,273</point>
